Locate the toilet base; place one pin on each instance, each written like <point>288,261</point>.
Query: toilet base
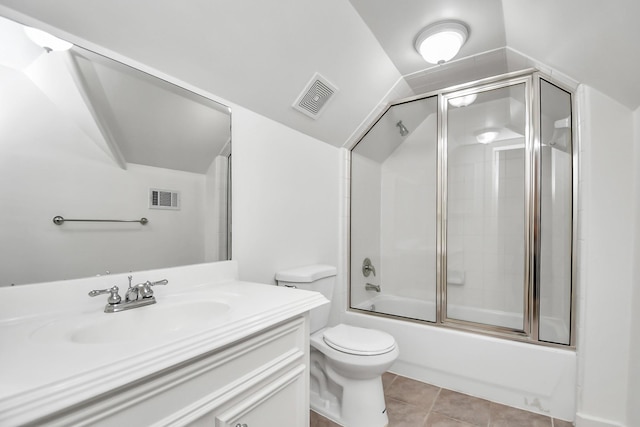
<point>361,410</point>
<point>326,408</point>
<point>345,401</point>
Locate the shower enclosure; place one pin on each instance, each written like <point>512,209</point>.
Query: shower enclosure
<point>463,207</point>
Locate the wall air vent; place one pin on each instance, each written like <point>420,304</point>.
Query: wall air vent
<point>315,96</point>
<point>164,199</point>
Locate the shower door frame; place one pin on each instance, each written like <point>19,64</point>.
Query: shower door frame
<point>531,313</point>
<point>442,203</point>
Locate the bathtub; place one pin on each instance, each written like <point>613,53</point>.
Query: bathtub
<point>551,328</point>
<point>400,306</point>
<point>527,376</point>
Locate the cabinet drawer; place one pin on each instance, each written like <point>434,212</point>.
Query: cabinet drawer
<point>179,395</point>
<point>279,403</point>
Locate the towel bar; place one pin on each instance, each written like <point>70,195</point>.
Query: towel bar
<point>58,220</point>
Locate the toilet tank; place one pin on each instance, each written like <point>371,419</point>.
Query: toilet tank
<point>319,278</point>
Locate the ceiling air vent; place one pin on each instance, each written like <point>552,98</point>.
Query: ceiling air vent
<point>315,96</point>
<point>164,199</point>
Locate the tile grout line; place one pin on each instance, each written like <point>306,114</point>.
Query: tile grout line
<point>432,405</point>
<point>490,415</point>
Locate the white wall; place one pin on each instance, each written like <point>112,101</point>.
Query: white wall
<point>49,167</point>
<point>633,394</point>
<point>605,251</point>
<point>285,198</point>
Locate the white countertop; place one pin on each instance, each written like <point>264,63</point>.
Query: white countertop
<point>42,371</point>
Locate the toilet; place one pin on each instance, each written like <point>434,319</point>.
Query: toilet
<point>347,362</point>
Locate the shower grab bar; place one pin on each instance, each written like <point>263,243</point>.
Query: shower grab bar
<point>58,220</point>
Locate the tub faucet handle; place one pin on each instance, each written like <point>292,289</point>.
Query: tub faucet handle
<point>368,268</point>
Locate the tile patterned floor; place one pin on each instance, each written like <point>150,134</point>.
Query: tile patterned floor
<point>412,403</point>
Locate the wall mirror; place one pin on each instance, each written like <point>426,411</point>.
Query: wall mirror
<point>85,137</point>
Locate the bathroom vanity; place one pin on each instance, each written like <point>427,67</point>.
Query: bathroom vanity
<point>213,351</point>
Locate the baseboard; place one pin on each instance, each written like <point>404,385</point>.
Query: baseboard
<point>584,420</point>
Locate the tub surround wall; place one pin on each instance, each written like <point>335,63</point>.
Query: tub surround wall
<point>555,298</point>
<point>393,227</point>
<point>365,239</point>
<point>408,216</point>
<point>485,220</point>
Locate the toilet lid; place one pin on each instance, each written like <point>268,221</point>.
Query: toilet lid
<point>360,341</point>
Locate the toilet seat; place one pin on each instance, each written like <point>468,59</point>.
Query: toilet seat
<point>358,341</point>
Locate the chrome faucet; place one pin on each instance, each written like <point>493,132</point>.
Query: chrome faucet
<point>132,292</point>
<point>372,287</point>
<point>136,296</point>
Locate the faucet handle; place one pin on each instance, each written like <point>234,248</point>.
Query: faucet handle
<point>114,297</point>
<point>159,282</point>
<point>368,268</point>
<point>145,290</point>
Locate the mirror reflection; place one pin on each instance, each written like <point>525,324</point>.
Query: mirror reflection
<point>85,137</point>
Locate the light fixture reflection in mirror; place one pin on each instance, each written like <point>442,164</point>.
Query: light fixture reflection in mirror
<point>87,137</point>
<point>487,136</point>
<point>463,101</point>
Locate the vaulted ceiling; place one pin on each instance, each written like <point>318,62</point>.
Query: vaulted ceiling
<point>261,54</point>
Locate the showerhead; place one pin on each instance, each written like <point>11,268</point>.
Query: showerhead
<point>403,129</point>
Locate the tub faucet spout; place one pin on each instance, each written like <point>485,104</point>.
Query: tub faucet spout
<point>372,287</point>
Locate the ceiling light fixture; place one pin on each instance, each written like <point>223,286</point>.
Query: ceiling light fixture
<point>441,41</point>
<point>463,101</point>
<point>46,40</point>
<point>486,136</point>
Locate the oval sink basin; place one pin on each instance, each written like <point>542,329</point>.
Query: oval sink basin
<point>141,323</point>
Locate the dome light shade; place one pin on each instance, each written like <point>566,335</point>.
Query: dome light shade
<point>441,42</point>
<point>46,40</point>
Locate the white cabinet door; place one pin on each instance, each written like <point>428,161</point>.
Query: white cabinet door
<point>280,403</point>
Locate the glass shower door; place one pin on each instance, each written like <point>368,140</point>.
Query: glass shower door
<point>556,215</point>
<point>393,213</point>
<point>463,210</point>
<point>486,208</point>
